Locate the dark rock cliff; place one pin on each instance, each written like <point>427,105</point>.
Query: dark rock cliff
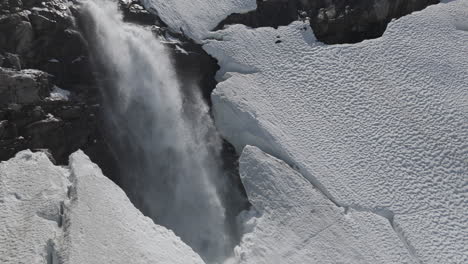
<point>41,51</point>
<point>333,21</point>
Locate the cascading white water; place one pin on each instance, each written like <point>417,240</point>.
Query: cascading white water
<point>166,142</point>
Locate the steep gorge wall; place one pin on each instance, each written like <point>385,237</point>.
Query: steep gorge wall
<point>42,35</point>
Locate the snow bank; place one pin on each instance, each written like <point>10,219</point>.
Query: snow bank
<point>51,214</point>
<point>298,224</point>
<point>32,192</point>
<point>195,18</point>
<point>379,126</point>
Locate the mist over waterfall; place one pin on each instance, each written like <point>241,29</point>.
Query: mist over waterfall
<point>164,138</point>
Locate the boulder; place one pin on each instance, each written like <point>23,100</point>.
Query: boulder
<point>10,6</point>
<point>23,87</point>
<point>41,23</point>
<point>136,13</point>
<point>8,24</point>
<point>23,37</point>
<point>10,60</point>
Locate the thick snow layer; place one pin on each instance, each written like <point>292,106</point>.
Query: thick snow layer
<point>105,227</point>
<point>195,18</point>
<point>378,126</point>
<point>50,214</point>
<point>32,192</point>
<point>298,224</point>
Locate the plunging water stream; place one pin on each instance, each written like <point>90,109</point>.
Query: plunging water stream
<point>165,140</point>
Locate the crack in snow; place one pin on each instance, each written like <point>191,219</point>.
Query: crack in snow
<point>382,212</point>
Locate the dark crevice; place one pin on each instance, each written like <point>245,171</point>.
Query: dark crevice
<point>194,65</point>
<point>51,253</point>
<point>333,21</point>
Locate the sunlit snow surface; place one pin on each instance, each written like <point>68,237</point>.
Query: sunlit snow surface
<point>50,214</point>
<point>295,223</point>
<point>195,18</point>
<point>379,126</point>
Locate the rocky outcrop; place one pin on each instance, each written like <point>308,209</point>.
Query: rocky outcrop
<point>333,21</point>
<point>46,36</point>
<point>34,116</point>
<point>43,36</point>
<point>134,12</point>
<point>41,49</point>
<point>23,87</point>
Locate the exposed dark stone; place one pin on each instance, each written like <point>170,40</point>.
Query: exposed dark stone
<point>10,6</point>
<point>23,87</point>
<point>3,128</point>
<point>194,66</point>
<point>23,37</point>
<point>10,60</point>
<point>42,24</point>
<point>60,126</point>
<point>134,12</point>
<point>333,21</point>
<point>41,35</point>
<point>271,13</point>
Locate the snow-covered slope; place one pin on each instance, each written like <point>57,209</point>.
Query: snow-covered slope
<point>379,126</point>
<point>195,18</point>
<point>50,214</point>
<point>32,192</point>
<point>298,224</point>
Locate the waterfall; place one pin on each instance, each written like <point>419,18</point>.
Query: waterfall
<point>165,140</point>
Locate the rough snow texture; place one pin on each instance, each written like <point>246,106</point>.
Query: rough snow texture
<point>298,224</point>
<point>379,126</point>
<point>195,18</point>
<point>31,193</point>
<point>50,214</point>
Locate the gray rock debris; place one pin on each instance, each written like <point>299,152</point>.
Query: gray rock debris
<point>23,87</point>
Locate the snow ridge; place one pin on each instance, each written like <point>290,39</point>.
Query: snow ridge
<point>51,214</point>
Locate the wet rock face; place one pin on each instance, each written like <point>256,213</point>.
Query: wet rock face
<point>333,21</point>
<point>354,21</point>
<point>41,49</point>
<point>23,87</point>
<point>31,118</point>
<point>43,37</point>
